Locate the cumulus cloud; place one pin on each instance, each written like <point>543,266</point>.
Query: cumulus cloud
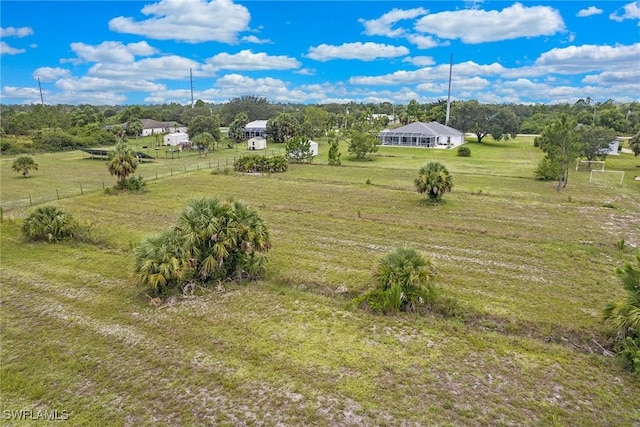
<point>362,51</point>
<point>255,40</point>
<point>247,60</point>
<point>383,26</point>
<point>193,21</point>
<point>590,11</point>
<point>166,67</point>
<point>48,74</point>
<point>16,32</point>
<point>630,11</point>
<point>424,42</point>
<point>478,26</point>
<point>585,58</point>
<point>96,84</point>
<point>421,61</point>
<point>111,51</point>
<point>5,49</point>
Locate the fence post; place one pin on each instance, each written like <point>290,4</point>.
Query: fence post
<point>156,174</point>
<point>185,168</point>
<point>30,202</point>
<point>103,185</point>
<point>57,194</point>
<point>81,191</point>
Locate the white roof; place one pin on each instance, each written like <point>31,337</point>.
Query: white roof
<point>256,124</point>
<point>430,129</point>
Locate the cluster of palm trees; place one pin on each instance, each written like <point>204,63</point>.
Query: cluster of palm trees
<point>211,242</point>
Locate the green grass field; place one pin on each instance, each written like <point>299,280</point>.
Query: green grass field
<point>530,267</point>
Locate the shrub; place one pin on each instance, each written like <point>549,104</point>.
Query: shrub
<point>24,164</point>
<point>548,170</point>
<point>402,282</point>
<point>50,224</point>
<point>433,180</point>
<point>624,316</point>
<point>464,151</point>
<point>211,242</point>
<point>252,163</point>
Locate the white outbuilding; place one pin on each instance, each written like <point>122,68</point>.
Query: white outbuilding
<point>314,148</point>
<point>176,138</point>
<point>257,143</point>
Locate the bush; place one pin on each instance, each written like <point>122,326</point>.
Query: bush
<point>402,282</point>
<point>464,151</point>
<point>211,242</point>
<point>548,170</point>
<point>253,163</point>
<point>433,180</point>
<point>50,224</point>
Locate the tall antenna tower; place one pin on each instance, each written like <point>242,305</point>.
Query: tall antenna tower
<point>446,120</point>
<point>40,87</point>
<point>191,78</point>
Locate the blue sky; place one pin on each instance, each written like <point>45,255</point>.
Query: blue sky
<point>316,52</point>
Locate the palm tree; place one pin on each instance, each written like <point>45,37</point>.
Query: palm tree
<point>122,163</point>
<point>160,261</point>
<point>49,223</point>
<point>24,164</point>
<point>624,317</point>
<point>434,180</point>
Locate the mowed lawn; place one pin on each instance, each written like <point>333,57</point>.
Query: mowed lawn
<point>530,268</point>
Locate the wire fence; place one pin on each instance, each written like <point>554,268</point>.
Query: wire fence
<point>68,190</point>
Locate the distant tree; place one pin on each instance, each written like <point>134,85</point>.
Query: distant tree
<point>412,112</point>
<point>122,163</point>
<point>282,127</point>
<point>299,150</point>
<point>24,164</point>
<point>236,128</point>
<point>561,143</point>
<point>634,143</point>
<point>255,107</point>
<point>485,119</point>
<point>204,141</point>
<point>317,120</point>
<point>433,180</point>
<point>209,124</point>
<point>595,141</point>
<point>362,144</point>
<point>611,117</point>
<point>130,113</point>
<point>334,153</point>
<point>134,128</point>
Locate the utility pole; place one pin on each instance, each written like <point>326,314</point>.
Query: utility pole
<point>446,120</point>
<point>40,87</point>
<point>191,78</point>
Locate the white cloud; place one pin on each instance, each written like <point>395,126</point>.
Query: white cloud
<point>585,58</point>
<point>255,40</point>
<point>15,32</point>
<point>165,67</point>
<point>420,61</point>
<point>27,95</point>
<point>306,72</point>
<point>617,78</point>
<point>191,21</point>
<point>430,74</point>
<point>48,74</point>
<point>247,60</point>
<point>631,11</point>
<point>424,42</point>
<point>5,49</point>
<point>382,26</point>
<point>96,84</point>
<point>363,51</point>
<point>590,11</point>
<point>111,51</point>
<point>479,26</point>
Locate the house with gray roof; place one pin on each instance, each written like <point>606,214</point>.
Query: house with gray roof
<point>426,135</point>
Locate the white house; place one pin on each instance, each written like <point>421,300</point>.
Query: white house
<point>257,143</point>
<point>151,127</point>
<point>176,138</point>
<point>255,128</point>
<point>428,135</point>
<point>614,146</point>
